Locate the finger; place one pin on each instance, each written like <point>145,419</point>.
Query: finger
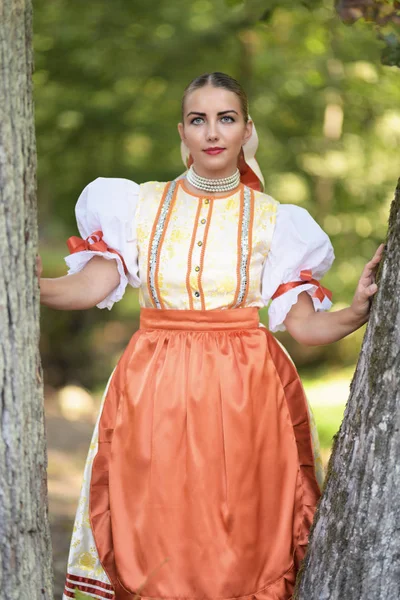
<point>367,273</point>
<point>377,256</point>
<point>372,265</point>
<point>365,286</point>
<point>370,290</point>
<point>379,250</point>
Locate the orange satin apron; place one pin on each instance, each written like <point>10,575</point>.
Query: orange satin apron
<point>204,482</point>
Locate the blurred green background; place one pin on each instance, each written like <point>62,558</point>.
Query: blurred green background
<point>108,84</point>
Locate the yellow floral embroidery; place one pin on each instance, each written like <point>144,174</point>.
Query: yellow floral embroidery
<point>86,561</point>
<point>217,254</point>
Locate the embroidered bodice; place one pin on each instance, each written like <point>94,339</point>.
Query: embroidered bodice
<point>201,252</point>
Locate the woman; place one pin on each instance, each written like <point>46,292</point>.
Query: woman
<point>201,479</point>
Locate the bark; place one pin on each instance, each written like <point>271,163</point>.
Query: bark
<point>355,540</point>
<point>25,550</point>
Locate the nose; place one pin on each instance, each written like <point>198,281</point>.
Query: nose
<point>212,133</point>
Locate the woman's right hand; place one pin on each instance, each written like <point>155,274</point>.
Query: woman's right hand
<point>39,266</point>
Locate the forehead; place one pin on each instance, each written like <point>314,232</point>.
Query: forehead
<point>210,100</point>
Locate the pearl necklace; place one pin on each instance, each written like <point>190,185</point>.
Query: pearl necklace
<point>225,184</point>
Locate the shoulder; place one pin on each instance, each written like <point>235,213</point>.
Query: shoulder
<point>296,217</point>
<point>108,197</point>
<point>152,188</point>
<point>103,185</point>
<point>265,207</point>
<point>302,238</point>
<point>265,199</point>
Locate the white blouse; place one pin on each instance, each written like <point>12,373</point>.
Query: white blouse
<point>186,251</point>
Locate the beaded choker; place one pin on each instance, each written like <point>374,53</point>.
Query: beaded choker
<point>225,184</point>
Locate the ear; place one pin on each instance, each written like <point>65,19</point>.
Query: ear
<point>248,131</point>
<point>181,131</point>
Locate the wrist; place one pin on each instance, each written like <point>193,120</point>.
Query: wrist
<point>356,319</point>
<point>45,290</point>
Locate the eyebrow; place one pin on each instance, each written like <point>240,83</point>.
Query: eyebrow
<point>202,114</point>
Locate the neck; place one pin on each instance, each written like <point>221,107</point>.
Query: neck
<point>207,184</point>
<point>215,174</point>
<point>197,192</point>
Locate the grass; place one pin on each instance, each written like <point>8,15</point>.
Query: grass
<point>328,421</point>
<point>328,393</point>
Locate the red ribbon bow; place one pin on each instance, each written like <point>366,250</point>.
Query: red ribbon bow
<point>321,291</point>
<point>306,277</point>
<point>77,244</point>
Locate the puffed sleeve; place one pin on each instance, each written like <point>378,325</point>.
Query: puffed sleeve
<point>107,206</point>
<point>299,248</point>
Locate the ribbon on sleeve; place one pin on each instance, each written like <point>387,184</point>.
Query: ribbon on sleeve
<point>93,242</point>
<point>306,277</point>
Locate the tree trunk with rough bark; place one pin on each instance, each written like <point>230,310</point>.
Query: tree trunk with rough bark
<point>25,548</point>
<point>354,550</point>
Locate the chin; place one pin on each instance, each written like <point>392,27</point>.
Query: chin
<point>215,163</point>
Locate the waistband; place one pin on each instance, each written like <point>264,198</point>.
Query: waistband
<point>199,320</point>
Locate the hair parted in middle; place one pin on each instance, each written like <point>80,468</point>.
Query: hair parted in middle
<point>249,170</point>
<point>221,80</point>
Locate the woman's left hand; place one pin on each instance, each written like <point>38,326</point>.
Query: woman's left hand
<point>367,287</point>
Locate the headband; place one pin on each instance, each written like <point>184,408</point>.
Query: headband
<point>250,173</point>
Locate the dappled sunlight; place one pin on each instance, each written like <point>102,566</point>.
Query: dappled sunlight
<point>328,395</point>
<point>364,70</point>
<point>138,147</point>
<point>290,186</point>
<point>387,127</point>
<point>65,480</point>
<point>329,391</point>
<point>333,121</point>
<point>75,403</point>
<point>332,225</point>
<point>347,271</point>
<point>333,164</point>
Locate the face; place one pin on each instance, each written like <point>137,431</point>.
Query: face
<point>214,130</point>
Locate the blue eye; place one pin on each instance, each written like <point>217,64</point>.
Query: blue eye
<point>231,119</point>
<point>193,121</point>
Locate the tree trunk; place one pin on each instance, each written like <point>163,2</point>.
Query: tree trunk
<point>25,548</point>
<point>354,544</point>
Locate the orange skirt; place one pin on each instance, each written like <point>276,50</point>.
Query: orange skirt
<point>204,482</point>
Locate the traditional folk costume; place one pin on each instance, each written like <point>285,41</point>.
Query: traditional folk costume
<point>203,473</point>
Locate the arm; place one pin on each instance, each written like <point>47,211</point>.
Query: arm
<point>317,328</point>
<point>81,290</point>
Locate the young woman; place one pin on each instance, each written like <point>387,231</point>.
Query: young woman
<point>201,478</point>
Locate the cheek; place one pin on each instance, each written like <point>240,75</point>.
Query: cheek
<point>236,140</point>
<point>194,139</point>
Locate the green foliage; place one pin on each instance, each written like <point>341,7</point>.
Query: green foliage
<point>108,85</point>
<point>233,2</point>
<point>328,419</point>
<point>391,54</point>
<point>380,12</point>
<point>385,15</point>
<point>81,596</point>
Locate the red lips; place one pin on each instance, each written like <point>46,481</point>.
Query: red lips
<point>215,150</point>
